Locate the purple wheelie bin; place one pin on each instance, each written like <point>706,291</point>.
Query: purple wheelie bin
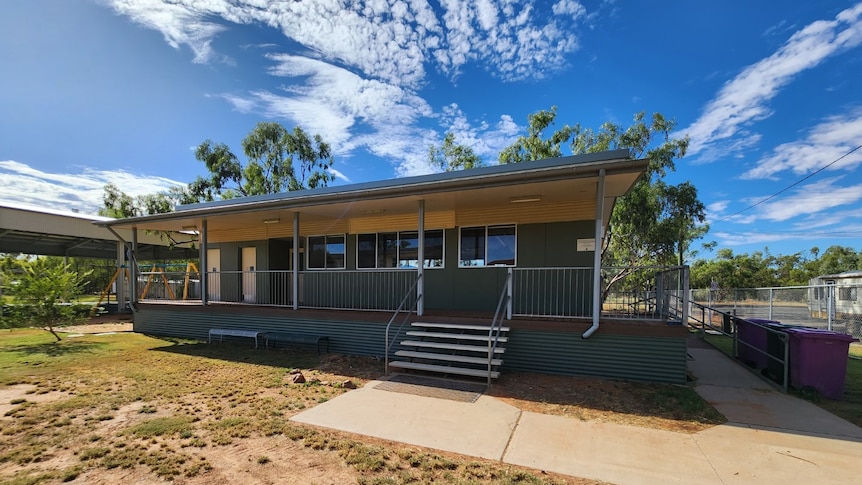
<point>754,335</point>
<point>818,359</point>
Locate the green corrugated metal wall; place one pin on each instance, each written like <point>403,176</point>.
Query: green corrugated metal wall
<point>353,338</point>
<point>642,358</point>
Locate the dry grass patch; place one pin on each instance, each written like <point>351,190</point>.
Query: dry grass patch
<point>168,409</point>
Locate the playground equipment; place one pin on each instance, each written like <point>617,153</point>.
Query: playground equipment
<point>157,271</point>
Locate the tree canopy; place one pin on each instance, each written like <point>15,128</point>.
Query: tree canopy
<point>655,223</point>
<point>278,160</point>
<point>761,269</point>
<point>451,156</point>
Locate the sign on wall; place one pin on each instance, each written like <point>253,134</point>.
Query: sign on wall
<point>587,244</point>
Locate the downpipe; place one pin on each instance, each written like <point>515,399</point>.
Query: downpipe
<point>597,257</point>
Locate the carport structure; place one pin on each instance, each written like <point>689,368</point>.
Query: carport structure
<point>47,232</point>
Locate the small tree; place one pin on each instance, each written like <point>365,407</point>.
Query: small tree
<point>42,293</point>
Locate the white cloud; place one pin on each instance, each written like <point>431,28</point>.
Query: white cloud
<point>743,100</point>
<point>486,139</point>
<point>825,143</point>
<point>389,40</point>
<point>22,184</point>
<point>356,77</point>
<point>814,198</point>
<point>179,24</point>
<point>838,219</point>
<point>339,175</point>
<point>751,237</point>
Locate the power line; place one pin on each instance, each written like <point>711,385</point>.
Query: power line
<point>794,184</point>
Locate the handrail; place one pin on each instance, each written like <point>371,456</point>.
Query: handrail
<point>735,336</point>
<point>388,345</point>
<point>497,322</point>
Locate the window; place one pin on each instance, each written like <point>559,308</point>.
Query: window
<point>326,252</point>
<point>847,293</point>
<point>398,250</point>
<point>487,246</point>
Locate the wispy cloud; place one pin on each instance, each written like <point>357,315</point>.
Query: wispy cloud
<point>179,24</point>
<point>22,184</point>
<point>339,175</point>
<point>744,99</point>
<point>825,143</point>
<point>822,199</point>
<point>362,64</point>
<point>388,40</point>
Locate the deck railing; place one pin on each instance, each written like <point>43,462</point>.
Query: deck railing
<point>372,290</point>
<point>552,292</point>
<point>555,292</point>
<point>627,292</point>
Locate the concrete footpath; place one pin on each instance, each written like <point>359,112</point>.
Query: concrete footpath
<point>770,437</point>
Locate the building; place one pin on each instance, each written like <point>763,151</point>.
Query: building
<point>519,243</point>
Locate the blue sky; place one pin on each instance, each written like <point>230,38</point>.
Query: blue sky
<point>121,91</point>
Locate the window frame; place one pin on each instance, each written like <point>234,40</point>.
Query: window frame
<point>398,258</point>
<point>326,243</point>
<point>485,229</point>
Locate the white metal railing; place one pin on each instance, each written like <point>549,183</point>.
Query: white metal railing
<point>658,293</point>
<point>552,292</point>
<point>650,292</point>
<point>497,322</point>
<point>627,292</point>
<point>373,290</point>
<point>410,295</point>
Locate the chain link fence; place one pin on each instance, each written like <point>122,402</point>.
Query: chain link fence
<point>831,307</point>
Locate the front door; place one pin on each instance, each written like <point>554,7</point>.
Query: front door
<point>249,264</point>
<point>213,276</point>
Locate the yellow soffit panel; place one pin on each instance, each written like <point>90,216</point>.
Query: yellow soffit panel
<point>401,222</point>
<point>240,234</point>
<point>528,213</point>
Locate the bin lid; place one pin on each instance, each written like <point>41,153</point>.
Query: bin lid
<point>760,320</point>
<point>816,333</point>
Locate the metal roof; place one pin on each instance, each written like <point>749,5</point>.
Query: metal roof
<point>520,174</point>
<point>48,232</point>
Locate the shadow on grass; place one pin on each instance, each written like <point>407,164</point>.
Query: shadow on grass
<point>288,358</point>
<point>56,349</point>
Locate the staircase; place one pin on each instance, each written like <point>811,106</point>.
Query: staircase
<point>452,349</point>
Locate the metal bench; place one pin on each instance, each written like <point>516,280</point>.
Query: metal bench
<point>296,338</point>
<point>228,332</point>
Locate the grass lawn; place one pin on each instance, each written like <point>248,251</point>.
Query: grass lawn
<point>850,408</point>
<point>133,408</point>
<point>173,409</point>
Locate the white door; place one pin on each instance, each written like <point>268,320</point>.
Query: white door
<point>249,266</point>
<point>213,276</point>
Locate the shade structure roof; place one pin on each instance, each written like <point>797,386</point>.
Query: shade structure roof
<point>548,183</point>
<point>32,230</point>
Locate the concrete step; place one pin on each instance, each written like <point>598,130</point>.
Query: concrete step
<point>456,326</point>
<point>442,345</point>
<point>454,336</point>
<point>444,369</point>
<point>447,357</point>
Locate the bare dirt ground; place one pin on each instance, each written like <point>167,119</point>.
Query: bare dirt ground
<point>233,424</point>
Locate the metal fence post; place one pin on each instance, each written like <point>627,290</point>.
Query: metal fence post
<point>770,303</point>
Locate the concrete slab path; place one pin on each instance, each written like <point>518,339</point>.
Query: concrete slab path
<point>770,437</point>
